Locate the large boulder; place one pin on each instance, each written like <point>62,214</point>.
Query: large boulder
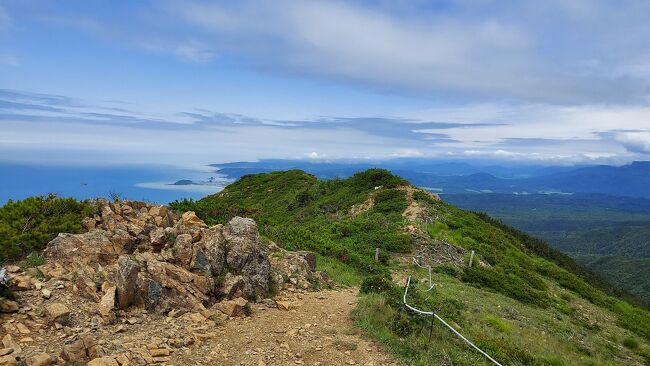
<point>245,254</point>
<point>127,277</point>
<point>74,251</point>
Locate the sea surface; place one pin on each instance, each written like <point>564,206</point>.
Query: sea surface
<point>149,183</point>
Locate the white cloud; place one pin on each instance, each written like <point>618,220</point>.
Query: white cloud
<point>52,126</point>
<point>407,153</point>
<point>528,51</point>
<point>635,141</point>
<point>565,52</point>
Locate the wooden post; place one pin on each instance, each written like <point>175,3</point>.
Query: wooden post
<point>471,258</point>
<point>376,254</point>
<point>431,327</point>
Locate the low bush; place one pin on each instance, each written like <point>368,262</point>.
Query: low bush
<point>28,225</point>
<point>390,201</point>
<point>507,284</point>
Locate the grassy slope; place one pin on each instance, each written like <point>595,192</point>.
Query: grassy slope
<point>609,235</point>
<point>531,306</point>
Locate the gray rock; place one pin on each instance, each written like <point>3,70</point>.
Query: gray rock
<point>127,276</point>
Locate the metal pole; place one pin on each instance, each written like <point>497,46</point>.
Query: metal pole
<point>471,258</point>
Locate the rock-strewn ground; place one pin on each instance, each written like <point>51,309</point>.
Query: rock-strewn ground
<point>310,328</point>
<point>145,286</point>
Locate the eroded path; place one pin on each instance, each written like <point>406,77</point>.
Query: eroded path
<point>318,331</point>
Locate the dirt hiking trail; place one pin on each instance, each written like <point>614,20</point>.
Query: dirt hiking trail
<point>318,331</point>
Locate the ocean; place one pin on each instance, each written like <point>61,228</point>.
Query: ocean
<point>150,183</point>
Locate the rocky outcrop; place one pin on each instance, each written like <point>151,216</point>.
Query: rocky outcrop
<point>139,254</point>
<point>296,270</point>
<point>137,270</point>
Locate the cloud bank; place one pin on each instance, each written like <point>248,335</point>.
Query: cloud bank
<point>51,128</point>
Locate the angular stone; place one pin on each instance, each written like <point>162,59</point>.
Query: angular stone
<point>58,312</point>
<point>189,219</point>
<point>88,223</point>
<point>213,245</point>
<point>134,229</point>
<point>157,237</point>
<point>196,318</point>
<point>245,254</point>
<point>12,268</point>
<point>8,342</point>
<point>22,328</point>
<point>46,294</point>
<point>74,350</point>
<point>309,257</point>
<point>123,241</point>
<point>123,359</point>
<point>236,286</point>
<point>287,305</point>
<point>39,359</point>
<point>103,361</point>
<point>200,262</point>
<point>8,306</point>
<point>127,276</point>
<point>159,352</point>
<point>232,307</point>
<point>6,351</point>
<point>107,303</point>
<point>158,211</point>
<point>21,283</point>
<point>8,360</point>
<point>73,251</point>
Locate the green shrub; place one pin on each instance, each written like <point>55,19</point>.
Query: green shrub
<point>32,260</point>
<point>28,225</point>
<point>446,269</point>
<point>497,323</point>
<point>390,200</point>
<point>372,178</point>
<point>376,284</point>
<point>631,343</point>
<point>424,197</point>
<point>501,349</point>
<point>506,283</point>
<point>401,324</point>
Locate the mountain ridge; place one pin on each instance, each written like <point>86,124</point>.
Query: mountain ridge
<point>627,180</point>
<point>297,211</point>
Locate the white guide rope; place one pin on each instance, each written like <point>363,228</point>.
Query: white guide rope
<point>429,313</point>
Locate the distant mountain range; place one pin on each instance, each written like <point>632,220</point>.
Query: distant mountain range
<point>632,180</point>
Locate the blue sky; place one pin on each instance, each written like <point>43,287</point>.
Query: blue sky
<point>196,82</point>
